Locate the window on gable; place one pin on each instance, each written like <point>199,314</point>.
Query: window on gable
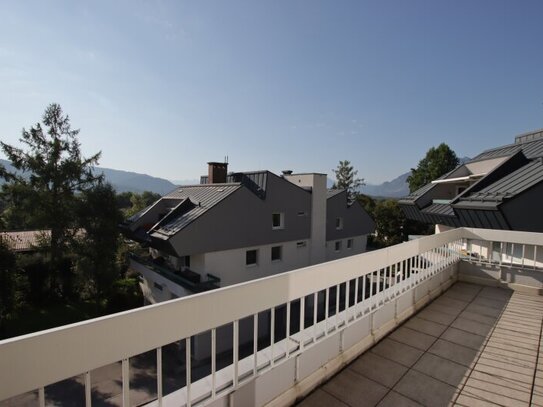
<point>339,223</point>
<point>251,257</point>
<point>278,220</point>
<point>276,253</point>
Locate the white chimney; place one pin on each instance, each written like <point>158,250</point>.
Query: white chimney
<point>317,182</point>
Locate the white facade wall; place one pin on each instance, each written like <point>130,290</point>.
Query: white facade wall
<point>359,246</point>
<point>230,267</point>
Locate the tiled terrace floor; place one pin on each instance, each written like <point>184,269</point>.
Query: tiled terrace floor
<point>473,346</point>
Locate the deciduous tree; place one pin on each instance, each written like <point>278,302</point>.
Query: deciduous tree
<point>438,161</point>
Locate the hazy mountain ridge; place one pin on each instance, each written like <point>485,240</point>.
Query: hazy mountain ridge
<point>395,188</point>
<point>124,181</point>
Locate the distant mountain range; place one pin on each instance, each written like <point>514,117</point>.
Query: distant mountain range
<point>396,188</point>
<point>124,181</point>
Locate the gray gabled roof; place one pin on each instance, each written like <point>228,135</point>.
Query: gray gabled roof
<point>256,181</point>
<point>439,209</point>
<point>509,186</point>
<point>531,149</point>
<point>202,197</point>
<point>413,196</point>
<point>333,192</point>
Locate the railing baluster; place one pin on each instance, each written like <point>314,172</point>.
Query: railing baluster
<point>272,335</point>
<point>315,303</point>
<point>235,340</point>
<point>370,298</point>
<point>41,396</point>
<point>338,289</point>
<point>302,322</point>
<point>88,389</point>
<point>188,367</point>
<point>287,332</point>
<point>326,310</point>
<point>512,253</point>
<point>347,300</point>
<point>255,344</point>
<point>214,362</point>
<point>399,273</point>
<point>125,372</point>
<point>363,299</point>
<point>355,304</point>
<point>159,375</point>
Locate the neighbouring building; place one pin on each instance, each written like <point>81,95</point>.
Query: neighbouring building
<point>235,227</point>
<point>501,188</point>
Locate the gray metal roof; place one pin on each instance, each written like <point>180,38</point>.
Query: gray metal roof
<point>510,185</point>
<point>204,197</point>
<point>419,192</point>
<point>169,202</point>
<point>256,181</point>
<point>413,196</point>
<point>333,192</point>
<point>531,149</point>
<point>439,209</point>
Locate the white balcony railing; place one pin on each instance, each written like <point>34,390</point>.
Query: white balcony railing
<point>248,329</point>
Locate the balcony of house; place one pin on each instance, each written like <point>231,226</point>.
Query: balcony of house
<point>159,275</point>
<point>444,319</point>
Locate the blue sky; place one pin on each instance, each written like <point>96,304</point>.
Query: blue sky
<point>163,87</point>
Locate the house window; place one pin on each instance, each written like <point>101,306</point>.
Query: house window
<point>278,221</point>
<point>276,253</point>
<point>349,244</point>
<point>301,244</point>
<point>337,246</point>
<point>157,286</point>
<point>339,223</point>
<point>459,190</point>
<point>251,257</point>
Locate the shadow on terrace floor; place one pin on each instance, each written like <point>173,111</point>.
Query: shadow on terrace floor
<point>473,346</point>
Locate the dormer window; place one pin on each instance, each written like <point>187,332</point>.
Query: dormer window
<point>339,223</point>
<point>278,220</point>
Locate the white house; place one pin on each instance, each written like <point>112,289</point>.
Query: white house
<point>241,226</point>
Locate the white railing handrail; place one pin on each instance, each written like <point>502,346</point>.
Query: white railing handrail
<point>46,357</point>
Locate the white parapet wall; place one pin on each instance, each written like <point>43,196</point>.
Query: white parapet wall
<point>346,306</point>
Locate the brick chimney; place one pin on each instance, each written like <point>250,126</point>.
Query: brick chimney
<point>216,173</point>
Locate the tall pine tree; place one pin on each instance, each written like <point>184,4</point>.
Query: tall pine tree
<point>51,172</point>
